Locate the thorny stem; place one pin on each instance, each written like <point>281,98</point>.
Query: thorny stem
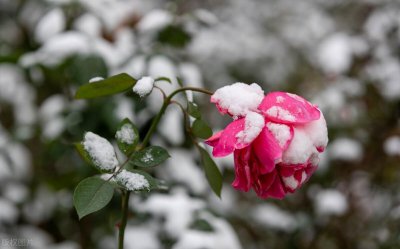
<point>124,219</point>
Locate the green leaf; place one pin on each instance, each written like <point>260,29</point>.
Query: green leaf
<point>163,79</point>
<point>150,156</point>
<point>193,110</point>
<point>81,68</point>
<point>174,36</point>
<point>115,84</point>
<point>180,82</point>
<point>82,152</point>
<point>213,175</point>
<point>127,136</point>
<point>91,195</point>
<point>201,129</point>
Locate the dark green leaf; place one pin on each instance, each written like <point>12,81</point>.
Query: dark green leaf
<point>127,136</point>
<point>163,79</point>
<point>81,68</point>
<point>201,129</point>
<point>91,195</point>
<point>82,152</point>
<point>193,110</point>
<point>213,174</point>
<point>115,84</point>
<point>174,35</point>
<point>150,156</point>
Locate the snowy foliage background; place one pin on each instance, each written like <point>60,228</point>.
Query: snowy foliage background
<point>343,55</point>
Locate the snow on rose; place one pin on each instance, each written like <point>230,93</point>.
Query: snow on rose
<point>276,139</point>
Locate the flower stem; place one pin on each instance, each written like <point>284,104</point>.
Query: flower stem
<point>166,102</point>
<point>124,219</point>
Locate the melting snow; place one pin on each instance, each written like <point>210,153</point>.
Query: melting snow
<point>280,113</point>
<point>126,134</point>
<point>280,131</point>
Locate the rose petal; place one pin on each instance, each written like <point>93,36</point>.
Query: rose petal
<point>214,139</point>
<point>267,151</point>
<point>263,182</point>
<point>276,190</point>
<point>242,169</point>
<point>288,108</point>
<point>228,140</point>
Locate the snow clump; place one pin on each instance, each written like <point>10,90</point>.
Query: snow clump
<point>144,86</point>
<point>100,151</point>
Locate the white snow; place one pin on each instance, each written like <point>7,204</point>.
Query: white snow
<point>335,54</point>
<point>141,237</point>
<point>346,149</point>
<point>239,99</point>
<point>177,208</point>
<point>280,131</point>
<point>330,202</point>
<point>155,20</point>
<point>126,134</point>
<point>100,151</point>
<point>9,212</point>
<point>95,79</point>
<point>144,86</point>
<point>280,113</point>
<point>132,181</point>
<point>300,149</point>
<point>254,123</point>
<point>88,24</point>
<point>223,237</point>
<point>290,182</point>
<point>317,132</point>
<point>173,119</point>
<point>274,217</point>
<point>51,24</point>
<point>182,168</point>
<point>392,146</point>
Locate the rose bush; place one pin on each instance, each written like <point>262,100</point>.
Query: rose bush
<point>276,139</point>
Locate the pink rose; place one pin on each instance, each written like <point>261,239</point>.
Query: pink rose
<point>276,139</point>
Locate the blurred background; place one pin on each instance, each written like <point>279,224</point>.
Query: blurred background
<point>342,55</point>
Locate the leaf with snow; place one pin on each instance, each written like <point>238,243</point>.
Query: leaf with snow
<point>138,178</point>
<point>100,152</point>
<point>150,157</point>
<point>113,85</point>
<point>127,136</point>
<point>213,175</point>
<point>91,195</point>
<point>201,129</point>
